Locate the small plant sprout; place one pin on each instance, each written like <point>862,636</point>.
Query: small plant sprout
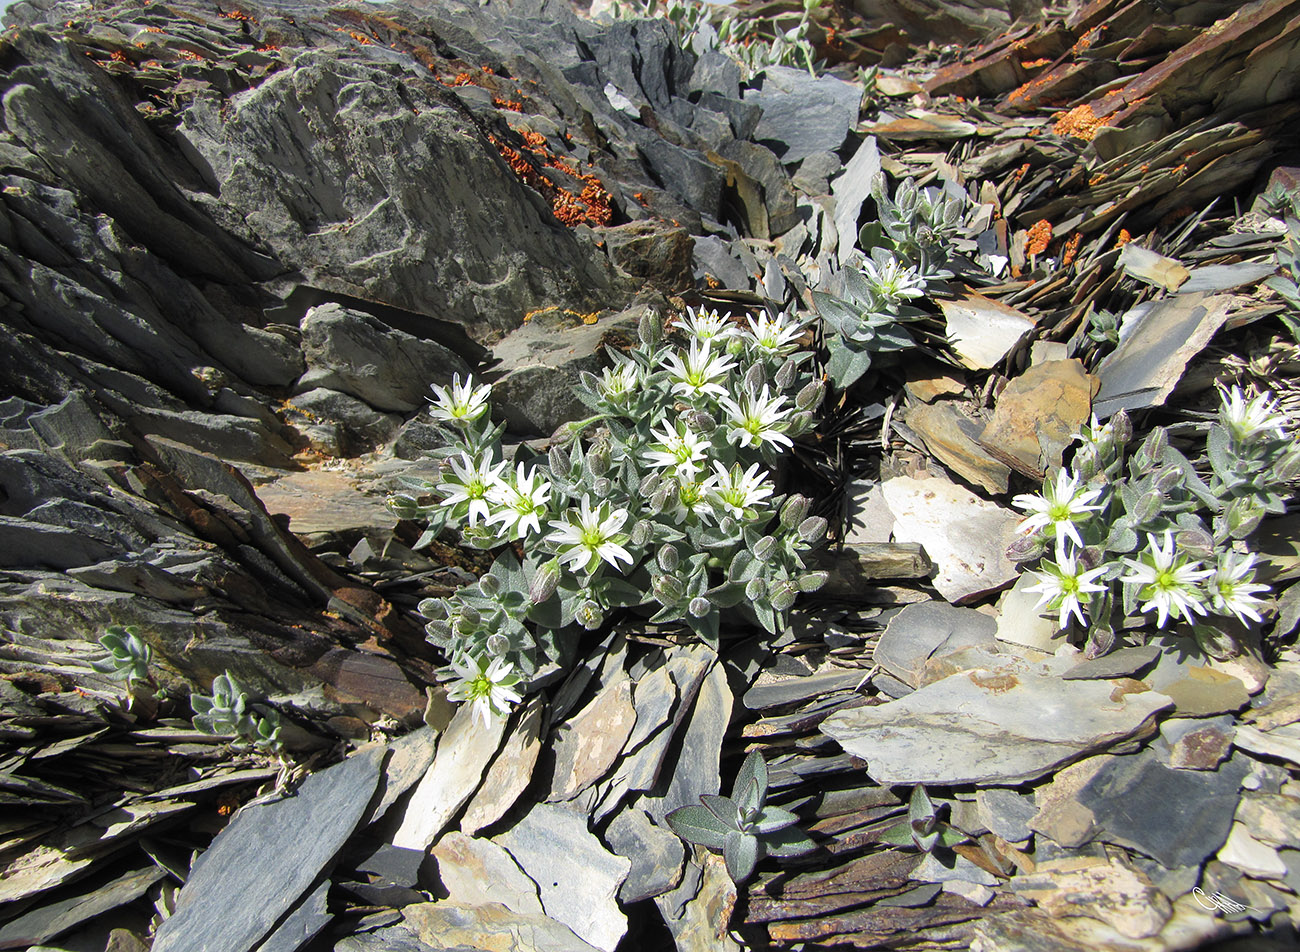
<point>461,404</point>
<point>1059,508</point>
<point>1167,582</point>
<point>128,658</point>
<point>742,826</point>
<point>228,712</point>
<point>490,687</point>
<point>923,830</point>
<point>1061,583</point>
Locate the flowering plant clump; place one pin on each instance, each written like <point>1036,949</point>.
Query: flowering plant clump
<point>867,304</point>
<point>1160,537</point>
<point>664,500</point>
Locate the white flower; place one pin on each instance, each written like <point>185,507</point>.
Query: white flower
<point>699,373</point>
<point>1061,584</point>
<point>471,482</point>
<point>734,491</point>
<point>705,326</point>
<point>490,688</point>
<point>893,282</point>
<point>692,499</point>
<point>619,382</point>
<point>1247,419</point>
<point>678,447</point>
<point>775,335</point>
<point>756,419</point>
<point>1060,506</point>
<point>1167,581</point>
<point>464,403</point>
<point>1233,587</point>
<point>585,536</point>
<point>523,501</point>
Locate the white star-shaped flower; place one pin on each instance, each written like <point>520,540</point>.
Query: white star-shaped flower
<point>756,419</point>
<point>489,687</point>
<point>698,374</point>
<point>1061,583</point>
<point>1060,506</point>
<point>1167,582</point>
<point>586,536</point>
<point>679,448</point>
<point>462,403</point>
<point>523,501</point>
<point>735,491</point>
<point>1233,587</point>
<point>471,482</point>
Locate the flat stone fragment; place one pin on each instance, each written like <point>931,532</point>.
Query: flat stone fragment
<point>408,760</point>
<point>937,868</point>
<point>983,330</point>
<point>1196,689</point>
<point>954,439</point>
<point>1272,818</point>
<point>1110,891</point>
<point>1251,856</point>
<point>457,771</point>
<point>927,630</point>
<point>324,501</point>
<point>588,743</point>
<point>972,892</point>
<point>803,114</point>
<point>45,922</point>
<point>966,537</point>
<point>1022,622</point>
<point>456,926</point>
<point>510,772</point>
<point>1121,663</point>
<point>850,189</point>
<point>1195,744</point>
<point>656,854</point>
<point>1153,268</point>
<point>476,872</point>
<point>263,861</point>
<point>773,691</point>
<point>1038,415</point>
<point>302,924</point>
<point>1157,339</point>
<point>701,923</point>
<point>869,519</point>
<point>577,878</point>
<point>1005,813</point>
<point>1007,725</point>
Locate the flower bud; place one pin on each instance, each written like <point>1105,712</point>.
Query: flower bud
<point>702,422</point>
<point>755,377</point>
<point>1288,467</point>
<point>589,380</point>
<point>649,485</point>
<point>642,532</point>
<point>1025,548</point>
<point>659,501</point>
<point>439,632</point>
<point>589,615</point>
<point>801,422</point>
<point>1156,442</point>
<point>650,328</point>
<point>469,614</point>
<point>764,548</point>
<point>727,525</point>
<point>497,644</point>
<point>810,397</point>
<point>781,595</point>
<point>1121,428</point>
<point>669,589</point>
<point>432,608</point>
<point>544,582</point>
<point>559,462</point>
<point>755,589</point>
<point>1167,479</point>
<point>812,529</point>
<point>812,581</point>
<point>785,377</point>
<point>1089,558</point>
<point>598,459</point>
<point>1148,507</point>
<point>699,606</point>
<point>1196,543</point>
<point>668,557</point>
<point>601,487</point>
<point>489,585</point>
<point>794,511</point>
<point>1243,517</point>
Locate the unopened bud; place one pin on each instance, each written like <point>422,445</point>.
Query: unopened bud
<point>1167,479</point>
<point>794,511</point>
<point>598,460</point>
<point>590,381</point>
<point>559,462</point>
<point>755,378</point>
<point>812,581</point>
<point>439,632</point>
<point>432,608</point>
<point>1148,507</point>
<point>642,532</point>
<point>1243,517</point>
<point>489,585</point>
<point>1121,427</point>
<point>649,485</point>
<point>781,595</point>
<point>650,328</point>
<point>659,501</point>
<point>699,606</point>
<point>497,644</point>
<point>544,582</point>
<point>1155,444</point>
<point>668,557</point>
<point>810,396</point>
<point>764,548</point>
<point>801,422</point>
<point>1196,543</point>
<point>785,377</point>
<point>601,487</point>
<point>755,589</point>
<point>1288,467</point>
<point>812,529</point>
<point>1025,548</point>
<point>669,589</point>
<point>702,422</point>
<point>470,615</point>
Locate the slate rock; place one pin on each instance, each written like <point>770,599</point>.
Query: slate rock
<point>815,171</point>
<point>362,426</point>
<point>652,252</point>
<point>586,745</point>
<point>393,864</point>
<point>803,114</point>
<point>353,352</point>
<point>1121,663</point>
<point>1005,813</point>
<point>982,330</point>
<point>392,938</point>
<point>1022,622</point>
<point>715,72</point>
<point>946,866</point>
<point>929,630</point>
<point>1197,689</point>
<point>1195,743</point>
<point>476,872</point>
<point>697,913</point>
<point>48,921</point>
<point>1005,725</point>
<point>267,857</point>
<point>510,772</point>
<point>1177,817</point>
<point>965,536</point>
<point>1272,818</point>
<point>656,854</point>
<point>762,166</point>
<point>457,927</point>
<point>577,878</point>
<point>713,257</point>
<point>869,519</point>
<point>1037,416</point>
<point>851,188</point>
<point>303,923</point>
<point>1111,891</point>
<point>954,439</point>
<point>1250,855</point>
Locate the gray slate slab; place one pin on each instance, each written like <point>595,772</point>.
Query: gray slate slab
<point>258,866</point>
<point>803,115</point>
<point>303,923</point>
<point>929,630</point>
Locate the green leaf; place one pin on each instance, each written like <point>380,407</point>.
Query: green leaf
<point>771,819</point>
<point>752,771</point>
<point>788,842</point>
<point>724,808</point>
<point>846,366</point>
<point>697,824</point>
<point>740,850</point>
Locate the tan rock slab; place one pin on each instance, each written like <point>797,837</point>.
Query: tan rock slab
<point>1107,890</point>
<point>588,743</point>
<point>954,439</point>
<point>510,772</point>
<point>325,501</point>
<point>1038,415</point>
<point>982,330</point>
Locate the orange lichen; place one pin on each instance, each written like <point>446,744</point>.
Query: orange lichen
<point>1080,122</point>
<point>1038,237</point>
<point>268,48</point>
<point>1071,249</point>
<point>1122,238</point>
<point>462,79</point>
<point>239,15</point>
<point>534,140</point>
<point>153,29</point>
<point>1034,64</point>
<point>1085,41</point>
<point>507,104</point>
<point>1096,178</point>
<point>190,55</point>
<point>590,206</point>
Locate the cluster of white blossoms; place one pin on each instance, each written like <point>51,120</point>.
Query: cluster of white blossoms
<point>1164,580</point>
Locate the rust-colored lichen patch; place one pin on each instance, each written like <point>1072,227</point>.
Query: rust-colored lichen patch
<point>1071,249</point>
<point>1034,64</point>
<point>1038,237</point>
<point>1122,238</point>
<point>1080,122</point>
<point>590,206</point>
<point>996,683</point>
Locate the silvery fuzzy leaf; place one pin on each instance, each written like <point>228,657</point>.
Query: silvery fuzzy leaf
<point>725,809</point>
<point>696,824</point>
<point>790,841</point>
<point>751,781</point>
<point>740,851</point>
<point>771,819</point>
